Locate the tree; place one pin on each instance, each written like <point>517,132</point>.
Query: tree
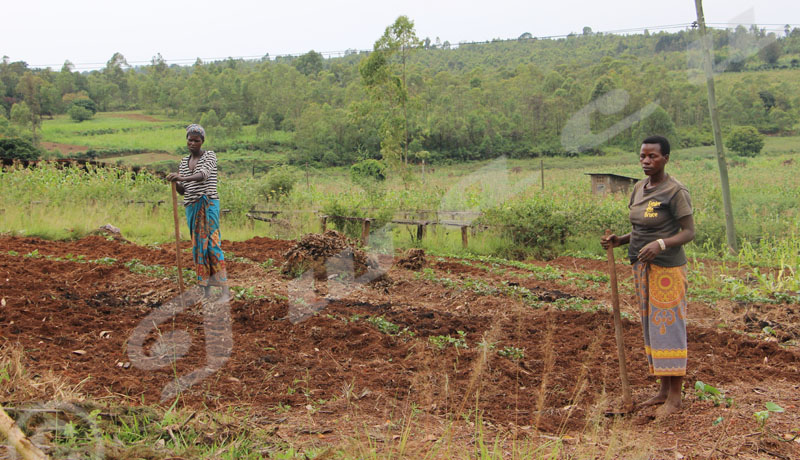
<point>79,113</point>
<point>209,119</point>
<point>658,123</point>
<point>771,52</point>
<point>309,63</point>
<point>745,140</point>
<point>232,123</point>
<point>266,124</point>
<point>21,114</point>
<point>782,120</point>
<point>30,88</point>
<point>385,73</point>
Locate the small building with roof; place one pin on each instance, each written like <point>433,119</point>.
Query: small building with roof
<point>603,183</point>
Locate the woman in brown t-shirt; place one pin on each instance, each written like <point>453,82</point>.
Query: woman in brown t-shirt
<point>661,216</point>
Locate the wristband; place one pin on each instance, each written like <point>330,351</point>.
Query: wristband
<point>661,244</point>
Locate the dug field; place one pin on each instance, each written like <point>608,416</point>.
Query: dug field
<point>458,357</point>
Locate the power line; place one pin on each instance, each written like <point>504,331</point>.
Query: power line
<point>331,54</point>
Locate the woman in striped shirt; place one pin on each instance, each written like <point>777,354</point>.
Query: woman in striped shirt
<point>197,182</point>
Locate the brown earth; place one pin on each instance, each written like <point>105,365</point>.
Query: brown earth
<point>67,149</point>
<point>134,116</point>
<point>337,372</point>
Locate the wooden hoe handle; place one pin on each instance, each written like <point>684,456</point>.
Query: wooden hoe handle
<point>627,400</point>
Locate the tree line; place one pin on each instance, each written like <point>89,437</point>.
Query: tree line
<point>412,99</point>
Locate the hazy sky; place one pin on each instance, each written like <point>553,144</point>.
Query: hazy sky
<point>89,32</point>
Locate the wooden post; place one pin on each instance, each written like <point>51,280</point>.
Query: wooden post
<point>730,230</point>
<point>464,237</point>
<point>365,232</point>
<point>420,231</point>
<point>17,439</point>
<point>541,167</point>
<point>323,221</point>
<point>177,239</point>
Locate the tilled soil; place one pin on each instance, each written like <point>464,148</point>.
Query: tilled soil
<point>405,341</point>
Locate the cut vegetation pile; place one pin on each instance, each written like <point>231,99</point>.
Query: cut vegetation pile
<point>329,252</point>
<point>413,259</point>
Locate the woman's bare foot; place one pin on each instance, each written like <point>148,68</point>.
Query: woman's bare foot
<point>673,401</point>
<point>654,401</point>
<point>668,408</point>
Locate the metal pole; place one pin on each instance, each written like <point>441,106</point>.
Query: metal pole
<point>730,230</point>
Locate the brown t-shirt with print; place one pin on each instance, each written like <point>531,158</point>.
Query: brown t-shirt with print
<point>655,213</point>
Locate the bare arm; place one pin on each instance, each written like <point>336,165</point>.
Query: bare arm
<point>652,249</point>
<point>615,240</point>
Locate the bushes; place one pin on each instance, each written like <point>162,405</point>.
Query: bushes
<point>745,140</point>
<point>79,114</point>
<point>278,183</point>
<point>18,149</point>
<point>541,225</point>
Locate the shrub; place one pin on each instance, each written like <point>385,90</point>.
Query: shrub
<point>278,183</point>
<point>86,103</point>
<point>232,123</point>
<point>534,224</point>
<point>17,149</point>
<point>368,170</point>
<point>745,140</point>
<point>209,119</point>
<point>79,114</point>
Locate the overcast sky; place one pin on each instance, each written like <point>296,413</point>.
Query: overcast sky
<point>89,32</point>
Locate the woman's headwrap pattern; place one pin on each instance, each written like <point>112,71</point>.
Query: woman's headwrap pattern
<point>194,128</point>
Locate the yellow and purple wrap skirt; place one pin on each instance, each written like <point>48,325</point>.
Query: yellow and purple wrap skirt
<point>662,300</point>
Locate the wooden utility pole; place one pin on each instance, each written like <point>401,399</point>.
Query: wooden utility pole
<point>730,230</point>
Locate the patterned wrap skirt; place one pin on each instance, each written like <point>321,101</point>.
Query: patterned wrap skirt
<point>662,300</point>
<point>209,261</point>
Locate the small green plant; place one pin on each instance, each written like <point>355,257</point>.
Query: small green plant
<point>388,327</point>
<point>512,353</point>
<point>706,392</point>
<point>443,341</point>
<point>245,293</point>
<point>33,254</point>
<point>763,416</point>
<point>268,264</point>
<point>13,253</point>
<point>282,407</point>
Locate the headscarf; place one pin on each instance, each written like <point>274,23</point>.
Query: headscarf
<point>194,128</point>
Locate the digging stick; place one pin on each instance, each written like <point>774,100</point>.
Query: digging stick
<point>177,239</point>
<point>623,370</point>
<point>17,438</point>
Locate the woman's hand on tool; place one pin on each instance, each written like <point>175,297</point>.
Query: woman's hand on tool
<point>610,241</point>
<point>173,177</point>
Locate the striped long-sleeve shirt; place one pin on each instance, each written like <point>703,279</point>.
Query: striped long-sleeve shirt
<point>207,165</point>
